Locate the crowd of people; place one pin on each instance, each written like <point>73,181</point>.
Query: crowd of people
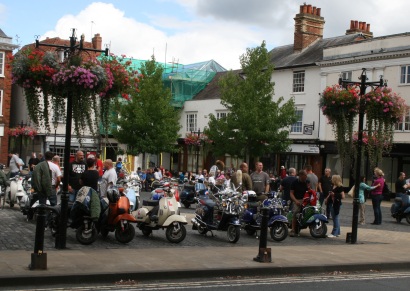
<point>91,171</point>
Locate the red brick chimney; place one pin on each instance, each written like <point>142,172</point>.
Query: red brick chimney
<point>359,27</point>
<point>97,41</point>
<point>308,27</point>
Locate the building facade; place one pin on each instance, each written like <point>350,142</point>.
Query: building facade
<point>6,48</point>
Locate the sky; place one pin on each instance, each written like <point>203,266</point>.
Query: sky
<point>190,31</point>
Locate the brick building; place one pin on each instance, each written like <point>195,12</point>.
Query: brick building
<point>6,47</point>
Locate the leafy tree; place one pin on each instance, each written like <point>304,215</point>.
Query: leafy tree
<point>256,124</point>
<point>147,123</point>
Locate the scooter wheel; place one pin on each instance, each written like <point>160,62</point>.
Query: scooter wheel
<point>175,232</point>
<point>318,232</point>
<point>11,204</point>
<point>187,204</point>
<point>86,237</point>
<point>234,232</point>
<point>126,235</point>
<point>279,231</point>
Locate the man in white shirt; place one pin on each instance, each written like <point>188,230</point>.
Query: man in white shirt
<point>55,178</point>
<point>14,165</point>
<point>109,178</point>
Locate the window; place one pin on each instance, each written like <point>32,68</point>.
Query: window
<point>2,60</point>
<point>299,81</point>
<point>191,122</point>
<point>297,126</point>
<point>220,115</point>
<point>405,75</point>
<point>347,76</point>
<point>1,102</point>
<point>404,125</point>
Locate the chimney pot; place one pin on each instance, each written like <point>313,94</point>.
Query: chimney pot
<point>314,10</point>
<point>305,8</point>
<point>351,24</point>
<point>301,8</point>
<point>368,28</point>
<point>356,24</point>
<point>309,9</point>
<point>318,11</point>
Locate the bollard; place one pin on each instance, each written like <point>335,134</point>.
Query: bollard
<point>264,254</point>
<point>39,257</point>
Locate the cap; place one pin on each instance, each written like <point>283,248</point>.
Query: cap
<point>282,167</point>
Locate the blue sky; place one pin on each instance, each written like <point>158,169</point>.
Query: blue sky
<point>190,31</point>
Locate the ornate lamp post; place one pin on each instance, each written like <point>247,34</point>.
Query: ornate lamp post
<point>362,105</point>
<point>69,51</point>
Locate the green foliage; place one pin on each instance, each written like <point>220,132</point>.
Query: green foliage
<point>256,125</point>
<point>147,123</point>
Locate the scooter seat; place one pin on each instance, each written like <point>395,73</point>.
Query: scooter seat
<point>150,202</point>
<point>208,202</point>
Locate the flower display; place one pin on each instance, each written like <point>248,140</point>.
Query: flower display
<point>22,131</point>
<point>341,106</point>
<point>47,84</point>
<point>195,139</point>
<point>337,102</point>
<point>383,104</point>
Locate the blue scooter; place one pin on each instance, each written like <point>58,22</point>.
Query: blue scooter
<point>251,218</point>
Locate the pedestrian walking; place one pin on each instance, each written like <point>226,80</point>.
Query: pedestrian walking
<point>336,196</point>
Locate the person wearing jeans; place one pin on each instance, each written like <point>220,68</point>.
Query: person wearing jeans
<point>335,197</point>
<point>377,196</point>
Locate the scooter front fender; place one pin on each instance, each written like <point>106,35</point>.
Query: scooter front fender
<point>235,221</point>
<point>174,218</point>
<point>275,218</point>
<point>321,217</point>
<point>125,216</point>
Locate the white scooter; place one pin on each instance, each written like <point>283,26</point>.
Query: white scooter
<point>162,211</point>
<point>132,190</point>
<point>15,192</point>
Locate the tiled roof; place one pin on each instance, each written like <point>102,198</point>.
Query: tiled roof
<point>212,91</point>
<point>284,56</point>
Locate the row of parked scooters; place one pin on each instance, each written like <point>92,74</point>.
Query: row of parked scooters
<point>218,208</point>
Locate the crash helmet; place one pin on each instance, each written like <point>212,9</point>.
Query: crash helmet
<point>156,196</point>
<point>113,194</point>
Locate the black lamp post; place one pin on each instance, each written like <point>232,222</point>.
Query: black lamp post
<point>55,124</point>
<point>362,105</point>
<point>69,52</point>
<point>198,144</point>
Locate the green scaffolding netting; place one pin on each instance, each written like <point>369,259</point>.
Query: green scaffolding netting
<point>185,81</point>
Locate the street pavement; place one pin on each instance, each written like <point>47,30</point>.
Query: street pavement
<point>382,247</point>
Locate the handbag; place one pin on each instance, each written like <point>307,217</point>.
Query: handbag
<point>351,192</point>
<point>386,189</point>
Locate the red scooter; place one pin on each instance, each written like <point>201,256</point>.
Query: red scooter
<point>117,216</point>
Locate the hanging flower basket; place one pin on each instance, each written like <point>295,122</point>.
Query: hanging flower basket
<point>22,131</point>
<point>26,133</point>
<point>195,139</point>
<point>337,102</point>
<point>91,85</point>
<point>384,109</point>
<point>341,107</point>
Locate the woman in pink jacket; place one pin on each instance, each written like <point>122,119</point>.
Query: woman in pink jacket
<point>377,196</point>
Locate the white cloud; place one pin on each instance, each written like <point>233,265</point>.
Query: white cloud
<point>221,30</point>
